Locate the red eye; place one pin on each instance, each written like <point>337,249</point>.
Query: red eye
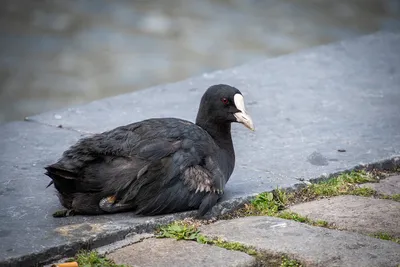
<point>225,101</point>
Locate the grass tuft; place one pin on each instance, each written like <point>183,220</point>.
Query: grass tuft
<point>386,236</point>
<point>362,191</point>
<point>286,262</point>
<point>270,203</point>
<point>93,259</point>
<point>288,215</point>
<point>235,246</point>
<point>396,197</point>
<point>344,184</point>
<point>178,230</point>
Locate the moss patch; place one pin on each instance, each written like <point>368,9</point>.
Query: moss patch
<point>395,197</point>
<point>386,236</point>
<point>288,215</point>
<point>287,262</point>
<point>233,246</point>
<point>93,259</point>
<point>344,184</point>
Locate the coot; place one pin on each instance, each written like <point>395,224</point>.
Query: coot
<point>155,166</point>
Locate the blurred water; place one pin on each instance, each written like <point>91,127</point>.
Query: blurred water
<point>59,53</point>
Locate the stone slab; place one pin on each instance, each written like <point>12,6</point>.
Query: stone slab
<point>314,246</point>
<point>169,252</point>
<point>388,186</point>
<point>354,213</point>
<point>306,106</point>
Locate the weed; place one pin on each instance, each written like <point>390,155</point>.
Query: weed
<point>386,236</point>
<point>288,215</point>
<point>341,185</point>
<point>235,246</point>
<point>286,262</point>
<point>362,191</point>
<point>270,203</point>
<point>396,197</point>
<point>93,259</point>
<point>178,230</point>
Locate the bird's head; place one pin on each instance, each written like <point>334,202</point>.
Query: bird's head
<point>223,103</point>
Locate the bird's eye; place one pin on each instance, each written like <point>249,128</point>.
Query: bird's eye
<point>225,101</point>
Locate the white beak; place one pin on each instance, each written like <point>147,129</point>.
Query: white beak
<point>242,116</point>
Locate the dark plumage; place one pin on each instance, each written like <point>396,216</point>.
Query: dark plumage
<point>154,166</point>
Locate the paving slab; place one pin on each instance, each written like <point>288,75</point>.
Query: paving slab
<point>306,106</point>
<point>314,246</point>
<point>388,186</point>
<point>355,213</point>
<point>170,252</point>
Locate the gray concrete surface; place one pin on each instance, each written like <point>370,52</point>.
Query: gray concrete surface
<point>314,246</point>
<point>342,96</point>
<point>360,214</point>
<point>389,186</point>
<point>169,252</point>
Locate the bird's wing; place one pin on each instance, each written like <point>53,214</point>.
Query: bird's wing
<point>168,162</point>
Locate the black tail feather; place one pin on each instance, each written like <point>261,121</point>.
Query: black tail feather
<point>56,171</point>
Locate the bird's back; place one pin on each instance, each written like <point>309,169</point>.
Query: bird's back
<point>158,164</point>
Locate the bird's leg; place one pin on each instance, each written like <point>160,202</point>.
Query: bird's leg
<point>63,213</point>
<point>108,205</point>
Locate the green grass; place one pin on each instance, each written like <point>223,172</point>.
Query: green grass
<point>286,262</point>
<point>178,230</point>
<point>288,215</point>
<point>396,197</point>
<point>234,246</point>
<point>386,236</point>
<point>344,184</point>
<point>270,203</point>
<point>362,191</point>
<point>93,259</point>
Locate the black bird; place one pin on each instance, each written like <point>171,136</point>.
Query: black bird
<point>155,166</point>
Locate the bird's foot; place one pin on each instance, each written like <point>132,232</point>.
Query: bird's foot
<point>108,205</point>
<point>63,213</point>
<point>111,199</point>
